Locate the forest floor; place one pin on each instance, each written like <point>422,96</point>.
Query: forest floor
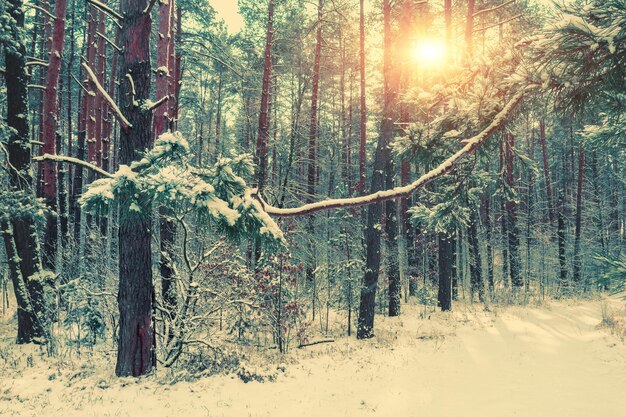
<point>558,359</point>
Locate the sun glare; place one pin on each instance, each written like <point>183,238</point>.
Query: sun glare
<point>429,52</point>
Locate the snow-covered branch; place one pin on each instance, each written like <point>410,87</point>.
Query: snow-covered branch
<point>71,160</point>
<point>471,145</point>
<point>116,110</point>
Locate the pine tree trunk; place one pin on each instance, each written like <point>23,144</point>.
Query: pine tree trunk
<point>311,173</point>
<point>511,210</point>
<point>447,247</point>
<point>365,327</point>
<point>136,354</point>
<point>360,188</point>
<point>50,117</point>
<point>486,204</point>
<point>264,122</point>
<point>476,277</point>
<point>31,322</point>
<point>546,168</point>
<point>579,207</point>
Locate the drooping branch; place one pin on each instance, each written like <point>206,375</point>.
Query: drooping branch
<point>470,147</point>
<point>116,110</point>
<point>106,9</point>
<point>74,161</point>
<point>494,8</point>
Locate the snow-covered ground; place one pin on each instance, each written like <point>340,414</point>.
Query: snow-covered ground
<point>554,360</point>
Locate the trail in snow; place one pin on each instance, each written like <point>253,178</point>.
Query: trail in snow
<point>548,361</point>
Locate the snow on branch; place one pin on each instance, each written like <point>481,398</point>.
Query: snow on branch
<point>71,160</point>
<point>116,110</point>
<point>106,9</point>
<point>494,8</point>
<point>471,145</point>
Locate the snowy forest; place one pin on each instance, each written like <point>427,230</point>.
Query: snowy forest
<point>313,208</point>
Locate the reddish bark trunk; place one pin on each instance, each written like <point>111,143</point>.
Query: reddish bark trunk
<point>546,168</point>
<point>363,110</point>
<point>136,354</point>
<point>579,209</point>
<point>163,67</point>
<point>264,124</point>
<point>50,118</point>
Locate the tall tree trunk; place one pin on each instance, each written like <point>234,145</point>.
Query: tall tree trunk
<point>50,117</point>
<point>469,30</point>
<point>165,86</point>
<point>374,212</point>
<point>32,325</point>
<point>546,168</point>
<point>312,168</point>
<point>136,354</point>
<point>360,188</point>
<point>579,208</point>
<point>264,121</point>
<point>511,212</point>
<point>447,247</point>
<point>488,240</point>
<point>476,276</point>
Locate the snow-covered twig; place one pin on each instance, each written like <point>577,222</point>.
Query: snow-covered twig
<point>41,87</point>
<point>71,160</point>
<point>470,146</point>
<point>116,110</point>
<point>106,9</point>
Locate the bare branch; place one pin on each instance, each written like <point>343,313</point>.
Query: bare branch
<point>33,63</point>
<point>110,42</point>
<point>132,88</point>
<point>149,7</point>
<point>41,87</point>
<point>106,9</point>
<point>42,10</point>
<point>517,16</point>
<point>471,145</point>
<point>494,8</point>
<point>81,84</point>
<point>155,105</point>
<point>74,161</point>
<point>317,342</point>
<point>116,110</point>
